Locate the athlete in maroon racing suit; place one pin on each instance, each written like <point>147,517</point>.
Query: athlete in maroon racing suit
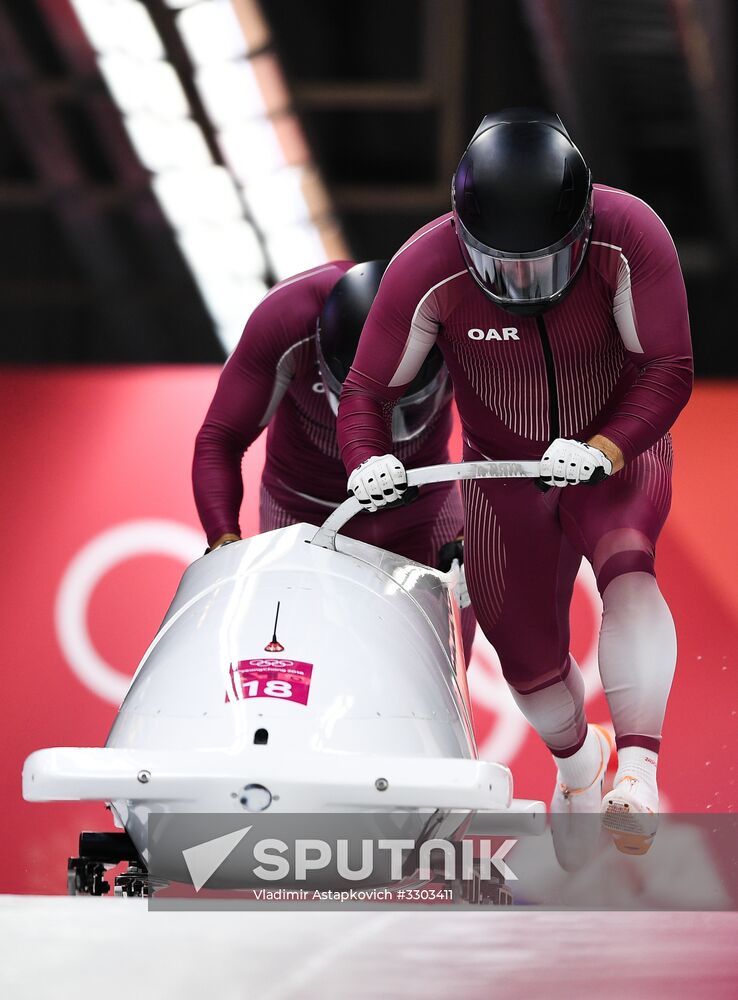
<point>577,354</point>
<point>273,378</point>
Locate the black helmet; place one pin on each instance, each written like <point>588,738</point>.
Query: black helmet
<point>522,202</point>
<point>338,331</point>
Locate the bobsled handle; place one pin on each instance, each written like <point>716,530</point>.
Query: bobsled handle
<point>325,537</point>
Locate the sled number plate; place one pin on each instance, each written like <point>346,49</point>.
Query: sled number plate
<point>288,680</point>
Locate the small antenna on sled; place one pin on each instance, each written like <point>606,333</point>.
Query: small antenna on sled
<point>274,646</point>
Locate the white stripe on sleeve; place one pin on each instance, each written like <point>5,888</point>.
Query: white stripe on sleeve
<point>421,335</point>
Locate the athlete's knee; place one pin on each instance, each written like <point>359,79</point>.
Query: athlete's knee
<point>529,665</point>
<point>634,597</point>
<point>621,551</point>
<point>622,564</point>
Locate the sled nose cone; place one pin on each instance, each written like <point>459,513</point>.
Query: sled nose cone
<point>255,798</point>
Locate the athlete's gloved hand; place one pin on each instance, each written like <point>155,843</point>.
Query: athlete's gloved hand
<point>378,482</point>
<point>568,463</point>
<point>451,556</point>
<point>462,591</point>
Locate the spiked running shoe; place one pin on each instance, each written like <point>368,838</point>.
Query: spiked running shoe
<point>630,815</point>
<point>575,820</point>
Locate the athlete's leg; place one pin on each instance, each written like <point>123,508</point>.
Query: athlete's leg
<point>556,711</point>
<point>520,570</point>
<point>617,524</point>
<point>637,656</point>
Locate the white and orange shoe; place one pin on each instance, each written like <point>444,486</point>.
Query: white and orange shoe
<point>630,813</point>
<point>575,819</point>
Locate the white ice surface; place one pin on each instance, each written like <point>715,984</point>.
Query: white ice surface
<point>107,949</point>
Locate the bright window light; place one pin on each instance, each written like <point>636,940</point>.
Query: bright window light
<point>291,139</point>
<point>271,82</point>
<point>295,249</point>
<point>277,201</point>
<point>189,196</point>
<point>119,25</point>
<point>230,326</point>
<point>230,300</point>
<point>232,247</point>
<point>251,149</point>
<point>211,32</point>
<point>257,147</point>
<point>245,88</point>
<point>230,91</point>
<point>267,208</point>
<point>164,144</point>
<point>144,86</point>
<point>98,20</point>
<point>252,22</point>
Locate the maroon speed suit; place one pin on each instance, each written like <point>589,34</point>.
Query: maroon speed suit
<point>272,378</point>
<point>612,358</point>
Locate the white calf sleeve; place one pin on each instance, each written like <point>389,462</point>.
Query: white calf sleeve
<point>556,712</point>
<point>637,654</point>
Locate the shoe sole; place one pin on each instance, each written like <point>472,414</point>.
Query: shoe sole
<point>627,827</point>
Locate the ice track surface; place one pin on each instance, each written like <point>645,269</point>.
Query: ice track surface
<point>114,948</point>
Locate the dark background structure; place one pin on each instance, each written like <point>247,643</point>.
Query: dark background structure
<point>388,92</point>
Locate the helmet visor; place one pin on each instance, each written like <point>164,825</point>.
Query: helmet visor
<point>526,280</point>
<point>412,413</point>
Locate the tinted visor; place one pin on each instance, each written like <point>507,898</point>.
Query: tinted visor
<point>331,384</point>
<point>412,414</point>
<point>527,279</point>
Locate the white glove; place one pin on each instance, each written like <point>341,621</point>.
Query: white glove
<point>567,463</point>
<point>462,591</point>
<point>379,481</point>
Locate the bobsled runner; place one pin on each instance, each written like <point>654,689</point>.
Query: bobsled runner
<point>298,671</point>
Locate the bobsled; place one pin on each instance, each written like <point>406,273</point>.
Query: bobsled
<point>297,671</point>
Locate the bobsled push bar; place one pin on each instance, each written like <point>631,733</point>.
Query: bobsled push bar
<point>325,537</point>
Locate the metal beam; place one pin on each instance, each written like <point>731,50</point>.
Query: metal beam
<point>42,136</point>
<point>363,96</point>
<point>390,197</point>
<point>103,197</point>
<point>55,291</point>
